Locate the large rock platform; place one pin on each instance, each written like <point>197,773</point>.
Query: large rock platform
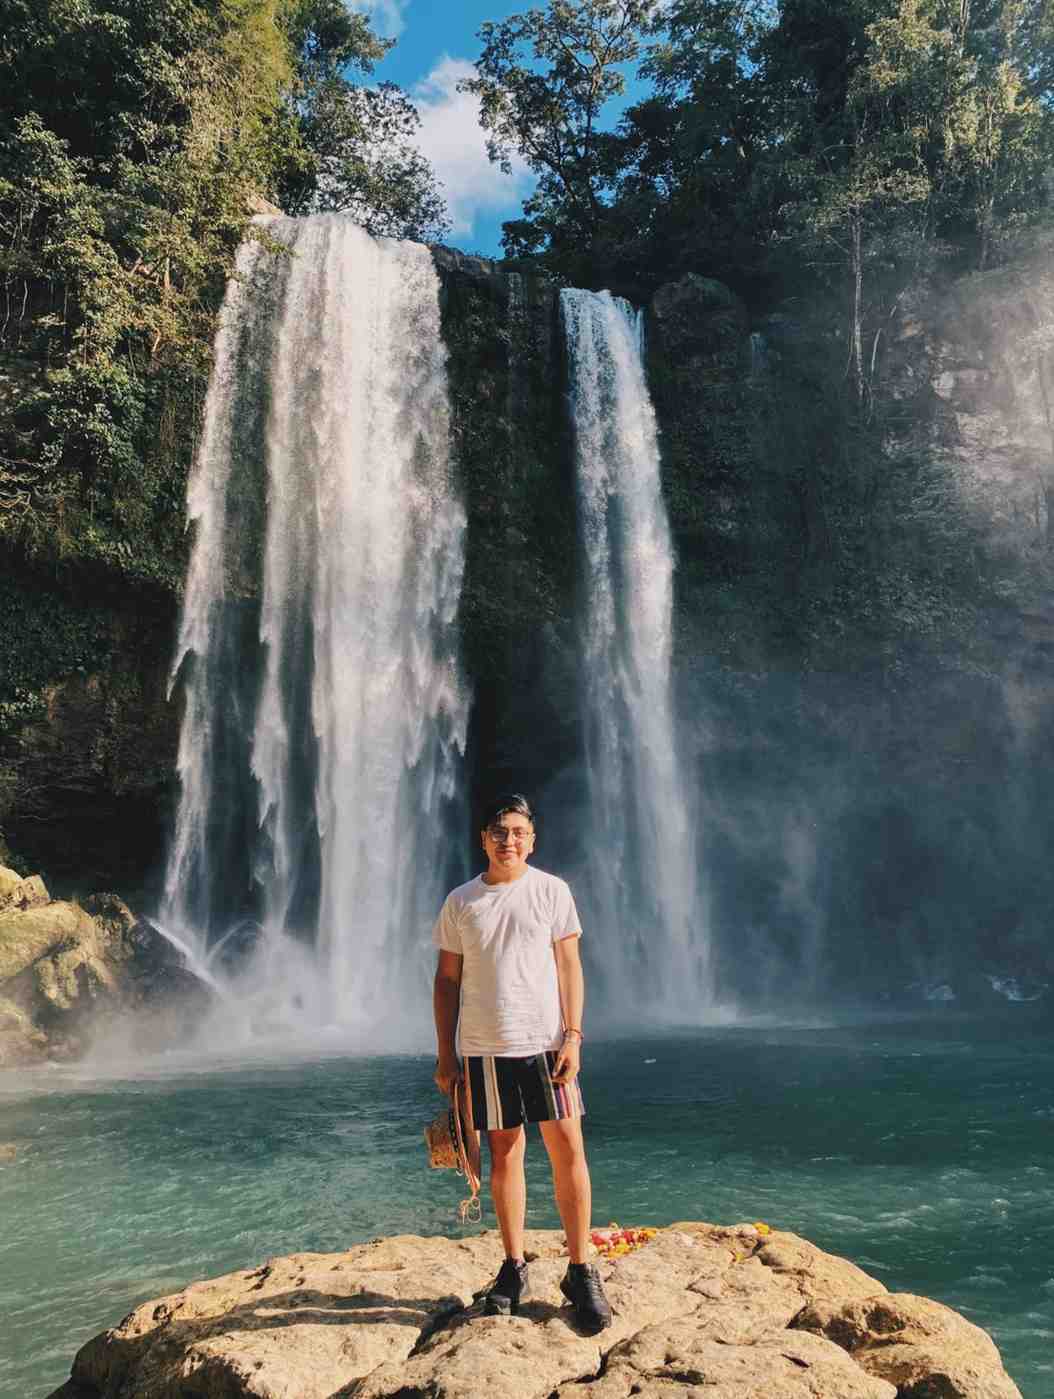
<point>701,1312</point>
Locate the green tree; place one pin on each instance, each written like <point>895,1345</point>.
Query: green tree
<point>128,155</point>
<point>131,150</point>
<point>691,151</point>
<point>868,205</point>
<point>1005,135</point>
<point>937,137</point>
<point>543,80</point>
<point>359,157</point>
<point>351,145</point>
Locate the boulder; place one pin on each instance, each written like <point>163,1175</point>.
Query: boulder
<point>815,1274</point>
<point>28,934</point>
<point>82,968</point>
<point>696,316</point>
<point>701,1311</point>
<point>57,966</point>
<point>33,892</point>
<point>923,1348</point>
<point>21,1043</point>
<point>111,911</point>
<point>157,969</point>
<point>66,970</point>
<point>302,1325</point>
<point>16,892</point>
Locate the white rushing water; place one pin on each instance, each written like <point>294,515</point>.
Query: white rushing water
<point>317,653</point>
<point>642,842</point>
<point>190,866</point>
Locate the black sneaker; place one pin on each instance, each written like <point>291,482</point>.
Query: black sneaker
<point>508,1290</point>
<point>581,1286</point>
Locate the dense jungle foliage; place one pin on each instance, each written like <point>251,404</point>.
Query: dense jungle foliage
<point>133,139</point>
<point>837,134</point>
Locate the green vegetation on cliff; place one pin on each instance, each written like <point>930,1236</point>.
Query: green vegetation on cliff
<point>135,139</point>
<point>844,168</point>
<point>131,149</point>
<point>832,164</point>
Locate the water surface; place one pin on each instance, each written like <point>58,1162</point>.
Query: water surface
<point>919,1150</point>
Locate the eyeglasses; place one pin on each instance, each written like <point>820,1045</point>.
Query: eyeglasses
<point>500,834</point>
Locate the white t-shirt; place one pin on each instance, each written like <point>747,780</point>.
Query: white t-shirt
<point>510,996</point>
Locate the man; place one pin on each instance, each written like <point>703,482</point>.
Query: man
<point>509,986</point>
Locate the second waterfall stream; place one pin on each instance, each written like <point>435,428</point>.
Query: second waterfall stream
<point>642,836</point>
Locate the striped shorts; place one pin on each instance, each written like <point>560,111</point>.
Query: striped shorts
<point>505,1092</point>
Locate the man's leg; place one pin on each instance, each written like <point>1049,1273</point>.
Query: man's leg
<point>574,1196</point>
<point>574,1199</point>
<point>508,1186</point>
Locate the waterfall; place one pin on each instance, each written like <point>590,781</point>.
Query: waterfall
<point>214,727</point>
<point>643,889</point>
<point>319,629</point>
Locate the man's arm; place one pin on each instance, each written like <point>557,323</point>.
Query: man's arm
<point>572,1002</point>
<point>446,1002</point>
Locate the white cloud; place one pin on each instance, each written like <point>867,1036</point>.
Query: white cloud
<point>386,16</point>
<point>453,140</point>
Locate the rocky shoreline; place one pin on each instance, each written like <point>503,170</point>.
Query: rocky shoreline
<point>68,970</point>
<point>701,1312</point>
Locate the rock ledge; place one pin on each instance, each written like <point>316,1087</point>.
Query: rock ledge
<point>68,970</point>
<point>701,1312</point>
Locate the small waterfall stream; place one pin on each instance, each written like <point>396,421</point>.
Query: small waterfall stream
<point>330,385</point>
<point>644,888</point>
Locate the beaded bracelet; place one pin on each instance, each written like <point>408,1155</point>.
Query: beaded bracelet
<point>571,1030</point>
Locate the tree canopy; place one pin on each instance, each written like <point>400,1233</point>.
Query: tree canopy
<point>830,154</point>
<point>543,80</point>
<point>767,125</point>
<point>131,148</point>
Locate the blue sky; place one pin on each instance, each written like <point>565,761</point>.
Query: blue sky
<point>435,46</point>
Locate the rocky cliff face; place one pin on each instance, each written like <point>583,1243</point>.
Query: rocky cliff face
<point>87,733</point>
<point>736,1313</point>
<point>512,444</point>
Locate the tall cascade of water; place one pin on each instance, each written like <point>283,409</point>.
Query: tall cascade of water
<point>643,885</point>
<point>325,716</point>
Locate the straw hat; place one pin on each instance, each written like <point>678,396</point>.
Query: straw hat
<point>453,1143</point>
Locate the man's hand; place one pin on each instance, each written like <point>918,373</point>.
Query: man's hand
<point>447,1075</point>
<point>572,993</point>
<point>568,1061</point>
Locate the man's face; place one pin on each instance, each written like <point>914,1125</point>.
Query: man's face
<point>508,842</point>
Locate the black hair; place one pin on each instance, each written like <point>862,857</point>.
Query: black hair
<point>512,801</point>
